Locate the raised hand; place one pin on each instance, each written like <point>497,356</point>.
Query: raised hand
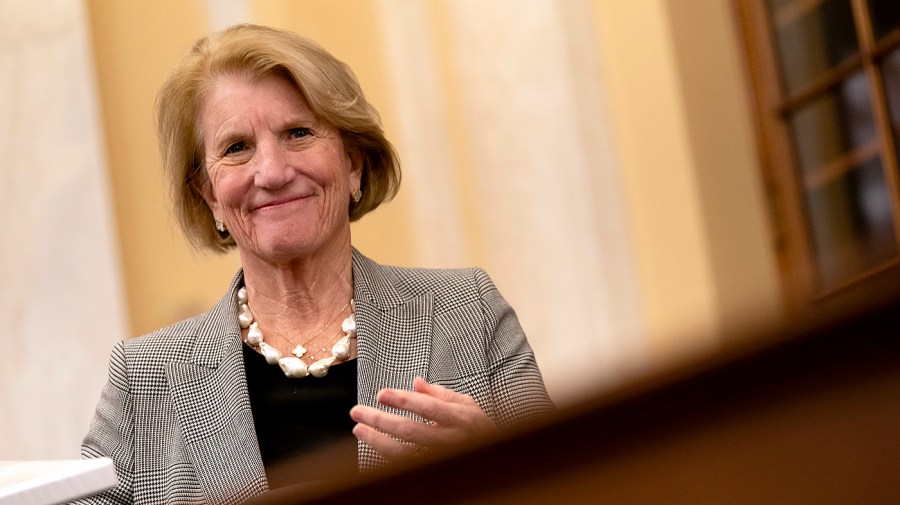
<point>449,417</point>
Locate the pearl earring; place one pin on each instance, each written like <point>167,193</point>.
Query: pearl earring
<point>220,226</point>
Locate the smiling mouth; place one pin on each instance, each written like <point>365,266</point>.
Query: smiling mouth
<point>278,203</point>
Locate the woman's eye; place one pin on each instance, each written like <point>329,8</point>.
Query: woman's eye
<point>298,133</point>
<point>235,148</point>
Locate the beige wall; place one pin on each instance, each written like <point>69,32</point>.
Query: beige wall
<point>716,99</point>
<point>683,133</point>
<point>135,44</point>
<point>678,118</point>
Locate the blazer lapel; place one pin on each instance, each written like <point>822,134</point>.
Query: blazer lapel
<point>393,336</point>
<point>394,345</point>
<point>393,330</point>
<point>209,395</point>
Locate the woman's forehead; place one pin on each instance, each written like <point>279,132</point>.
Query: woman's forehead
<point>272,97</point>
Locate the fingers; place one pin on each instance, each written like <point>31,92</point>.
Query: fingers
<point>433,402</point>
<point>400,427</point>
<point>450,417</point>
<point>389,447</point>
<point>393,436</point>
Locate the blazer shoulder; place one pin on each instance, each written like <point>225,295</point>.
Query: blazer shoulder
<point>201,339</point>
<point>450,286</point>
<point>175,341</point>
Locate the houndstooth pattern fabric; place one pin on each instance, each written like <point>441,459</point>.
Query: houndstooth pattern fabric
<point>175,413</point>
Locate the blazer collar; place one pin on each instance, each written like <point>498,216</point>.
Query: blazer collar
<point>209,395</point>
<point>218,333</point>
<point>394,336</point>
<point>394,329</point>
<point>373,284</point>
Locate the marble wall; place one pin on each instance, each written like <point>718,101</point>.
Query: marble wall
<point>61,307</point>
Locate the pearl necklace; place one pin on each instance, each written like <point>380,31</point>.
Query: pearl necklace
<point>294,366</point>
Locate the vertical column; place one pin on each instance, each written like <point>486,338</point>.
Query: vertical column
<point>509,127</point>
<point>61,305</point>
<point>429,155</point>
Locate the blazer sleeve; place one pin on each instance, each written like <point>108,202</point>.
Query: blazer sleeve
<point>111,433</point>
<point>516,385</point>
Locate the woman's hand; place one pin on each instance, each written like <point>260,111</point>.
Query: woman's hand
<point>450,417</point>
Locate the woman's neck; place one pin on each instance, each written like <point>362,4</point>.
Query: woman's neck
<point>302,295</point>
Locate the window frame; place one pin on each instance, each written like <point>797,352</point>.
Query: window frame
<point>785,187</point>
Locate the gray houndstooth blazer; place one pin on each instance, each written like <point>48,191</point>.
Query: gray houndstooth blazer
<point>175,415</point>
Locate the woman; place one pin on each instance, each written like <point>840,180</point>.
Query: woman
<point>270,147</point>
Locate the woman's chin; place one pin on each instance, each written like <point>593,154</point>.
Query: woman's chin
<point>295,242</point>
<point>286,251</point>
<point>279,253</point>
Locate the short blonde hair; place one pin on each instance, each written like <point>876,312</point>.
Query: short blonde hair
<point>328,85</point>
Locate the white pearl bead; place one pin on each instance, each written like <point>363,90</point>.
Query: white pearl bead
<point>294,368</point>
<point>245,317</point>
<point>272,354</point>
<point>341,349</point>
<point>320,368</point>
<point>254,334</point>
<point>349,325</point>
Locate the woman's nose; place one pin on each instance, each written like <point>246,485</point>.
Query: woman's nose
<point>273,169</point>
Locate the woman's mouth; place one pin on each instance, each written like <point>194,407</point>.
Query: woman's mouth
<point>280,202</point>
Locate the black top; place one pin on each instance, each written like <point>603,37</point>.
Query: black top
<point>296,419</point>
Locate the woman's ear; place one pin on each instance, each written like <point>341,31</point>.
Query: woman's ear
<point>205,189</point>
<point>356,167</point>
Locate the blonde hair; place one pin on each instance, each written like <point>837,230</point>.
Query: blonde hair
<point>328,85</point>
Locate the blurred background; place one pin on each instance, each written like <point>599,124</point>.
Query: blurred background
<point>609,163</point>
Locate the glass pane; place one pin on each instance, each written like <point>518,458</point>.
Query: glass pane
<point>851,223</point>
<point>885,16</point>
<point>891,70</point>
<point>811,37</point>
<point>838,122</point>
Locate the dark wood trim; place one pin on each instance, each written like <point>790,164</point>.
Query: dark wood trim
<point>881,112</point>
<point>870,276</point>
<point>821,85</point>
<point>886,44</point>
<point>753,64</point>
<point>783,189</point>
<point>821,176</point>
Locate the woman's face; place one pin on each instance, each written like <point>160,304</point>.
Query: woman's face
<point>280,178</point>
